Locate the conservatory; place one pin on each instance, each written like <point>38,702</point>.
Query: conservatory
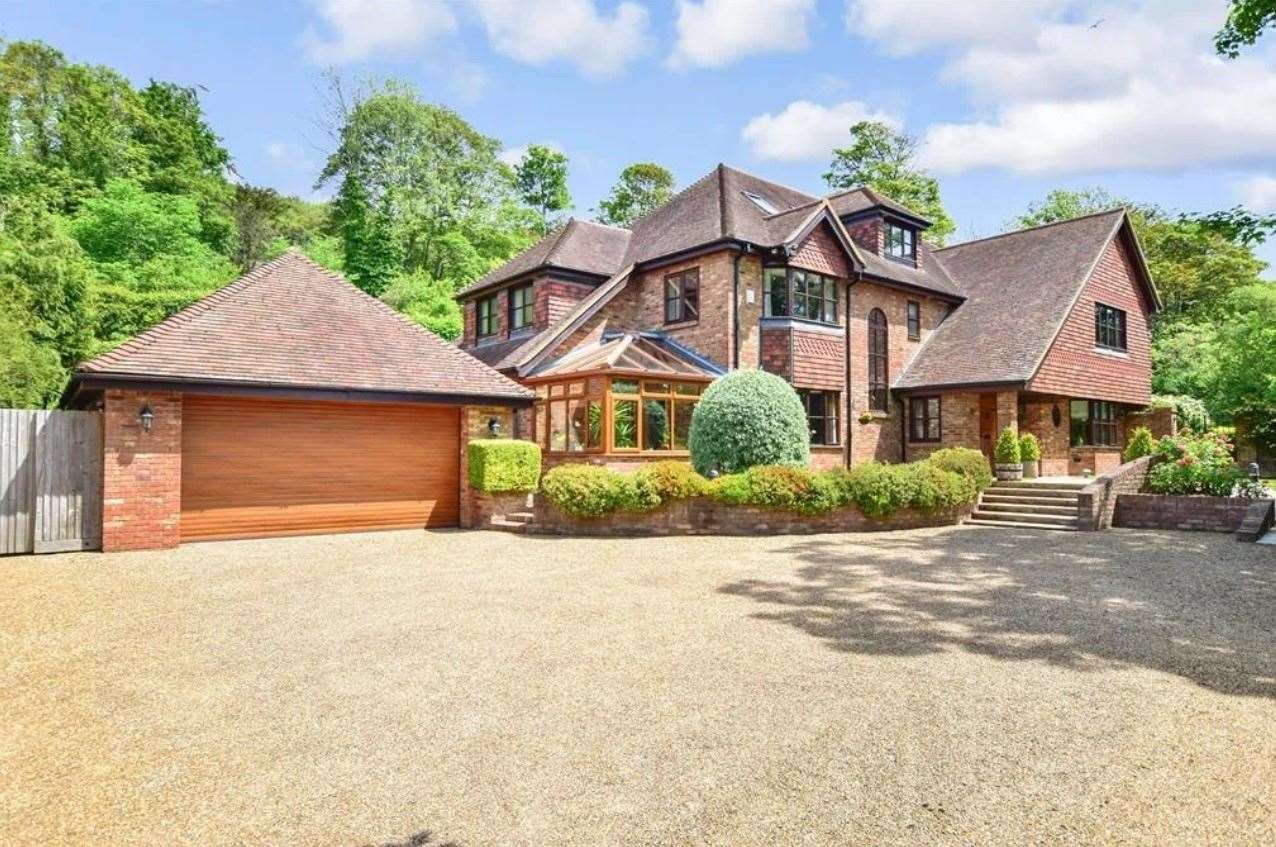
<point>625,394</point>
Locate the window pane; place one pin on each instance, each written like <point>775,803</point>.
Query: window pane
<point>624,424</point>
<point>557,390</point>
<point>682,410</point>
<point>576,425</point>
<point>655,425</point>
<point>542,425</point>
<point>655,388</point>
<point>558,426</point>
<point>776,295</point>
<point>687,388</point>
<point>594,425</point>
<point>624,386</point>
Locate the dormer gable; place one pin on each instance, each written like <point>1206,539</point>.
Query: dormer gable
<point>880,225</point>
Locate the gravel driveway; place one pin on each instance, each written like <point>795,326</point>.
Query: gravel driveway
<point>947,686</point>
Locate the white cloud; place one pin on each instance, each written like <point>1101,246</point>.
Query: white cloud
<point>1259,194</point>
<point>714,33</point>
<point>807,131</point>
<point>1083,87</point>
<point>291,156</point>
<point>904,28</point>
<point>358,29</point>
<point>513,155</point>
<point>540,31</point>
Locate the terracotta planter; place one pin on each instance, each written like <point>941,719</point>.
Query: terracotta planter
<point>1009,472</point>
<point>1030,469</point>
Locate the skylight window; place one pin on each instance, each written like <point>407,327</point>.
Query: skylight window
<point>761,202</point>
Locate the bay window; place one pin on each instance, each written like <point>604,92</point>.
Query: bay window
<point>789,292</point>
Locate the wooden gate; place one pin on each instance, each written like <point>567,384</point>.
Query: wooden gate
<point>50,481</point>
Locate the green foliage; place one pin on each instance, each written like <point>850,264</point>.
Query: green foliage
<point>674,480</point>
<point>1245,376</point>
<point>504,465</point>
<point>1246,21</point>
<point>1007,448</point>
<point>778,487</point>
<point>970,463</point>
<point>1197,465</point>
<point>935,488</point>
<point>1140,443</point>
<point>1029,447</point>
<point>587,491</point>
<point>428,302</point>
<point>877,489</point>
<point>1063,204</point>
<point>541,180</point>
<point>642,187</point>
<point>1188,411</point>
<point>884,160</point>
<point>30,375</point>
<point>747,418</point>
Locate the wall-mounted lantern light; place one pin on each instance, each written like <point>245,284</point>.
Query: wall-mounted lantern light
<point>494,426</point>
<point>1056,416</point>
<point>146,417</point>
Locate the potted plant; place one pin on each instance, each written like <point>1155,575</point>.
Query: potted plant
<point>1030,453</point>
<point>1009,460</point>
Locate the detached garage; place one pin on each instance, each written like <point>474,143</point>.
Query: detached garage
<point>287,403</point>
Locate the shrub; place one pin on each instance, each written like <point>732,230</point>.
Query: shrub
<point>588,491</point>
<point>972,464</point>
<point>1007,449</point>
<point>778,487</point>
<point>1029,447</point>
<point>1197,465</point>
<point>748,418</point>
<point>1140,444</point>
<point>503,465</point>
<point>876,489</point>
<point>935,488</point>
<point>673,480</point>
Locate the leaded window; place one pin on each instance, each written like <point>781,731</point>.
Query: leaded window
<point>878,374</point>
<point>1109,327</point>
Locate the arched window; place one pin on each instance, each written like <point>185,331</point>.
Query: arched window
<point>877,367</point>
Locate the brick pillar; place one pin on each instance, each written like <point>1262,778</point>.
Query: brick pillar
<point>474,426</point>
<point>1007,412</point>
<point>142,472</point>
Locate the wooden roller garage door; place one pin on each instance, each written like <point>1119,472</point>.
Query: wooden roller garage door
<point>253,468</point>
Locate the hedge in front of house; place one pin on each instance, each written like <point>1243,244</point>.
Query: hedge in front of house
<point>877,490</point>
<point>747,418</point>
<point>965,461</point>
<point>503,465</point>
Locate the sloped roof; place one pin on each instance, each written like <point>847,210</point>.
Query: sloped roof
<point>291,323</point>
<point>1019,289</point>
<point>578,245</point>
<point>631,352</point>
<point>855,200</point>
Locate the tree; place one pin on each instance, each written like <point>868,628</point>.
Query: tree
<point>1244,384</point>
<point>883,160</point>
<point>1063,204</point>
<point>370,250</point>
<point>255,211</point>
<point>642,187</point>
<point>541,179</point>
<point>429,302</point>
<point>1246,20</point>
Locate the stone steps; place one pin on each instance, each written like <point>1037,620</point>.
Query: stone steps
<point>1019,525</point>
<point>1029,505</point>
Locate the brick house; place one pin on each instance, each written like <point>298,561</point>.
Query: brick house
<point>895,348</point>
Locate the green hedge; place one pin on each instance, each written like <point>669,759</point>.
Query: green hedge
<point>747,418</point>
<point>877,490</point>
<point>504,465</point>
<point>965,461</point>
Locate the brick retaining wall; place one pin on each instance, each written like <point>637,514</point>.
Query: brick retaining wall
<point>1160,511</point>
<point>1096,503</point>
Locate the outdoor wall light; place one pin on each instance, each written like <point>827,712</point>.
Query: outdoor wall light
<point>494,426</point>
<point>146,417</point>
<point>1055,415</point>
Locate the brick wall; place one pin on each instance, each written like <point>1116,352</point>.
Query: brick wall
<point>555,298</point>
<point>1158,511</point>
<point>776,351</point>
<point>868,233</point>
<point>1096,460</point>
<point>1160,422</point>
<point>1096,503</point>
<point>822,252</point>
<point>474,426</point>
<point>1074,367</point>
<point>1037,416</point>
<point>959,425</point>
<point>141,472</point>
<point>710,334</point>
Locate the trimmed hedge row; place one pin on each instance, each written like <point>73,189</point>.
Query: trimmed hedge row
<point>948,479</point>
<point>501,465</point>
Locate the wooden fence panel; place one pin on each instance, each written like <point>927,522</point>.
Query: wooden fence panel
<point>50,481</point>
<point>17,480</point>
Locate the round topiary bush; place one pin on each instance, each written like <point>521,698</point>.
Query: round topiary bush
<point>748,418</point>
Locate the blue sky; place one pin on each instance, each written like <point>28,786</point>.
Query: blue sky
<point>1007,99</point>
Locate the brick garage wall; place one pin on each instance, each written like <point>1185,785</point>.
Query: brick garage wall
<point>879,440</point>
<point>141,472</point>
<point>1073,366</point>
<point>959,425</point>
<point>701,516</point>
<point>1158,511</point>
<point>1096,503</point>
<point>1037,416</point>
<point>474,427</point>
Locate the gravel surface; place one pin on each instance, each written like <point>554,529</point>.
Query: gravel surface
<point>943,686</point>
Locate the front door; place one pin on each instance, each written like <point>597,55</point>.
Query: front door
<point>987,423</point>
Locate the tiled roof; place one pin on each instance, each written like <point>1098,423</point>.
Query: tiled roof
<point>1019,288</point>
<point>855,200</point>
<point>292,323</point>
<point>577,245</point>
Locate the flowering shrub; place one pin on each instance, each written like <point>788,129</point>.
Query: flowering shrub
<point>1198,464</point>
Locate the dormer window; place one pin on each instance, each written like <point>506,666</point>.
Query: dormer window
<point>901,243</point>
<point>761,202</point>
<point>485,317</point>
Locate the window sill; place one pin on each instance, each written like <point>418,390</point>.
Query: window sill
<point>900,260</point>
<point>773,321</point>
<point>522,332</point>
<point>683,324</point>
<point>875,414</point>
<point>1113,352</point>
<point>827,448</point>
<point>925,441</point>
